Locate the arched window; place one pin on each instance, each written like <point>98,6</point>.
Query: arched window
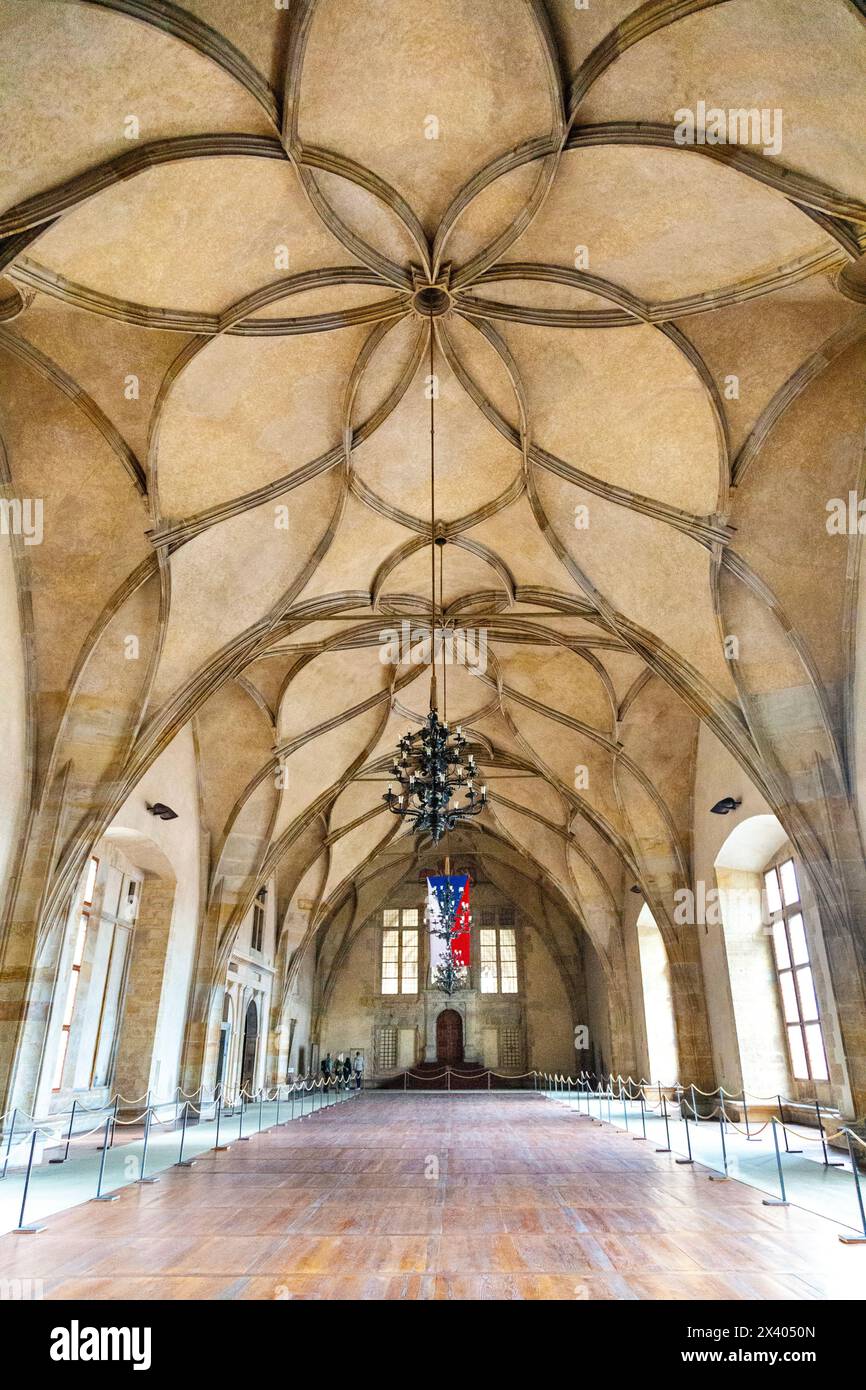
<point>657,1000</point>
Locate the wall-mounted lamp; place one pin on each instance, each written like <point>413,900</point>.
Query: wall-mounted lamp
<point>160,809</point>
<point>726,805</point>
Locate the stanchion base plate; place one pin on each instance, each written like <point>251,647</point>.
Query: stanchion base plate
<point>57,1160</point>
<point>663,1151</point>
<point>186,1163</point>
<point>719,1177</point>
<point>773,1202</point>
<point>27,1230</point>
<point>148,1180</point>
<point>853,1240</point>
<point>684,1160</point>
<point>222,1148</point>
<point>243,1138</point>
<point>109,1197</point>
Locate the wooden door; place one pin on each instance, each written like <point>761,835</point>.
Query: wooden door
<point>449,1037</point>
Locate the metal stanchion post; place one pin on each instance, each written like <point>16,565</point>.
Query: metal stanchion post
<point>22,1229</point>
<point>788,1150</point>
<point>181,1161</point>
<point>688,1140</point>
<point>147,1117</point>
<point>261,1106</point>
<point>781,1201</point>
<point>9,1141</point>
<point>110,1196</point>
<point>277,1120</point>
<point>68,1136</point>
<point>114,1117</point>
<point>723,1176</point>
<point>642,1116</point>
<point>448,1081</point>
<point>827,1163</point>
<point>752,1138</point>
<point>218,1147</point>
<point>242,1138</point>
<point>855,1240</point>
<point>667,1149</point>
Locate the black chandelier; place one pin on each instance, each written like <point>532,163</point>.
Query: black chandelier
<point>430,764</point>
<point>430,769</point>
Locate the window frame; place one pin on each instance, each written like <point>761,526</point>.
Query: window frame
<point>91,875</point>
<point>797,961</point>
<point>499,960</point>
<point>259,918</point>
<point>407,972</point>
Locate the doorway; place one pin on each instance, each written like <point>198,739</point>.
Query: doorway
<point>449,1037</point>
<point>225,1039</point>
<point>251,1037</point>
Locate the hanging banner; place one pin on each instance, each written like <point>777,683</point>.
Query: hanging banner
<point>448,911</point>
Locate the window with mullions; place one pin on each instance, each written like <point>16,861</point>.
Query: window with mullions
<point>794,972</point>
<point>400,950</point>
<point>257,935</point>
<point>387,1047</point>
<point>75,969</point>
<point>498,951</point>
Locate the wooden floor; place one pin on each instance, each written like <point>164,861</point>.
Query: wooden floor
<point>431,1197</point>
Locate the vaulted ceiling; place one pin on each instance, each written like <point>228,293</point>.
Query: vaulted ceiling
<point>650,364</point>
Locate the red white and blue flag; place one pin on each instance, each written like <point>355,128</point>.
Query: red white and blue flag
<point>448,910</point>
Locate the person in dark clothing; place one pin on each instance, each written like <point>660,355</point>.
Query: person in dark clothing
<point>347,1069</point>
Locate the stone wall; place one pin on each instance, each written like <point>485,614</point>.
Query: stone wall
<point>538,1018</point>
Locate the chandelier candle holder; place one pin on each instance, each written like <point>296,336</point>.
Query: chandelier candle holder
<point>431,767</point>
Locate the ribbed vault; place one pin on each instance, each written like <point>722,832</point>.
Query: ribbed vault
<point>214,375</point>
